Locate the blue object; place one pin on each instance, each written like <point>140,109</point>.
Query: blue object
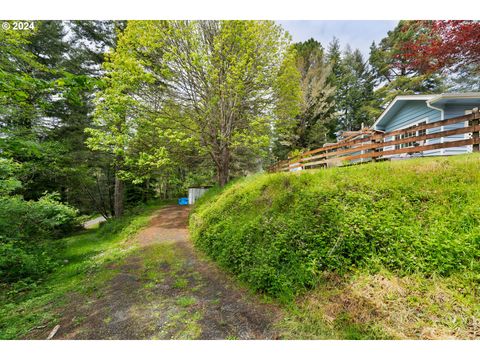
<point>183,201</point>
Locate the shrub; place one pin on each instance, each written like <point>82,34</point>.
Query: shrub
<point>278,231</point>
<point>27,229</point>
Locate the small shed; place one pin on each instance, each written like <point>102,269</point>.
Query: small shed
<point>195,192</point>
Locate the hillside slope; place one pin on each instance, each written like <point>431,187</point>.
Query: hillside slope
<point>414,222</point>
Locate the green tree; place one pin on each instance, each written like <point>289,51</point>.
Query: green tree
<point>392,65</point>
<point>126,126</point>
<point>354,95</point>
<point>210,84</point>
<point>314,120</point>
<point>48,78</point>
<point>334,58</point>
<point>318,106</point>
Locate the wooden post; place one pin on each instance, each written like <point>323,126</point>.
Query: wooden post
<point>376,140</point>
<point>475,133</point>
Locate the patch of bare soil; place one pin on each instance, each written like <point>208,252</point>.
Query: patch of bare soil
<point>169,224</point>
<point>168,291</point>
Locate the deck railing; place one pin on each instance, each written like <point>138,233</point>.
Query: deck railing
<point>370,145</point>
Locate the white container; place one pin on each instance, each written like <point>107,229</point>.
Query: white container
<point>194,193</point>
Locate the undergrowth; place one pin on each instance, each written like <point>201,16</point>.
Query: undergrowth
<point>84,268</point>
<point>280,232</point>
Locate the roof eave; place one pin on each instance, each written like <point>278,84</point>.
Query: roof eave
<point>469,95</point>
<point>398,98</point>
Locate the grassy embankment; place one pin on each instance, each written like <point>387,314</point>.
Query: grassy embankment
<point>84,270</point>
<point>386,250</point>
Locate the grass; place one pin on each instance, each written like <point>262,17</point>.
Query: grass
<point>180,283</point>
<point>161,257</point>
<point>186,301</point>
<point>188,325</point>
<point>84,270</point>
<point>384,306</point>
<point>162,264</point>
<point>383,250</point>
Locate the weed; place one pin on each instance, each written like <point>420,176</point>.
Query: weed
<point>366,306</point>
<point>180,283</point>
<point>186,301</point>
<point>215,301</point>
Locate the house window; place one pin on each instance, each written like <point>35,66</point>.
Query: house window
<point>404,136</point>
<point>409,134</point>
<point>422,132</point>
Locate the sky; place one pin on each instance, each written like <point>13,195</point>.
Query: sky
<point>358,33</point>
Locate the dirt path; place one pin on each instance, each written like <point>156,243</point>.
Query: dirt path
<point>91,223</point>
<point>166,290</point>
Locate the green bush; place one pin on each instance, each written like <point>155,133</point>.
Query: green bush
<point>278,231</point>
<point>26,221</point>
<point>19,262</point>
<point>27,231</point>
<point>27,228</point>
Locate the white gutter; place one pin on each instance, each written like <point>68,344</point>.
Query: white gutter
<point>442,117</point>
<point>467,95</point>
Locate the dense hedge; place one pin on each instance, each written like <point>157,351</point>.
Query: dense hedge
<point>278,231</point>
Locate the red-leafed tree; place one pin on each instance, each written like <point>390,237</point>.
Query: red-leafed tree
<point>396,66</point>
<point>443,45</point>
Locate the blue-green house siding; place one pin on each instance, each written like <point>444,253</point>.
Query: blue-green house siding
<point>411,113</point>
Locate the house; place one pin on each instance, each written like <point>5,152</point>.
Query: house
<point>409,110</point>
<point>404,112</point>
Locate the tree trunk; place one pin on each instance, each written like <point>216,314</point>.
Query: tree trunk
<point>222,175</point>
<point>118,197</point>
<point>146,191</point>
<point>223,168</point>
<point>111,189</point>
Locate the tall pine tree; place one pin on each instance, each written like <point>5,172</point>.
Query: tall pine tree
<point>354,92</point>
